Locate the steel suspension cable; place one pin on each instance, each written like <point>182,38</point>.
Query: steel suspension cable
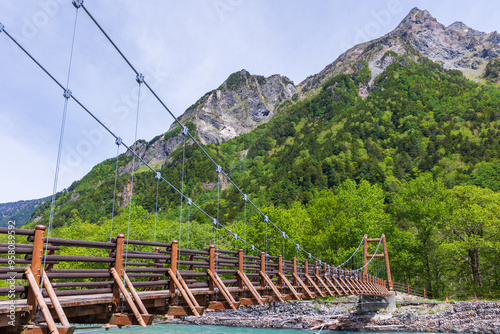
<point>114,192</point>
<point>174,117</point>
<point>128,148</point>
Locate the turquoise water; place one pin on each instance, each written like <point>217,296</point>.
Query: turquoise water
<point>191,329</point>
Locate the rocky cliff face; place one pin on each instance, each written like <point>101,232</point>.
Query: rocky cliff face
<point>419,34</point>
<point>238,106</point>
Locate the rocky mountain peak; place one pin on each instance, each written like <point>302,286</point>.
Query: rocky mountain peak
<point>418,17</point>
<point>456,47</point>
<point>238,106</point>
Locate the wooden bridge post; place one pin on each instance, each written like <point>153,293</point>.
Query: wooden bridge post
<point>306,271</point>
<point>365,256</point>
<point>387,265</point>
<point>280,270</point>
<point>295,283</point>
<point>36,265</point>
<point>240,268</point>
<point>211,266</point>
<point>425,293</point>
<point>120,241</point>
<point>262,268</point>
<point>173,264</point>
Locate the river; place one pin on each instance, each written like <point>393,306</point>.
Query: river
<point>192,329</point>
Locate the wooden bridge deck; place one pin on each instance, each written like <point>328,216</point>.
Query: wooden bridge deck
<point>154,279</point>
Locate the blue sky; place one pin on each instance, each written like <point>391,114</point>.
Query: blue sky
<point>184,48</point>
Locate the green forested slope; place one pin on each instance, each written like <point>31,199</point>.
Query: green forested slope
<point>418,159</point>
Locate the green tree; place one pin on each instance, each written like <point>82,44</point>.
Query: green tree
<point>420,205</point>
<point>474,225</point>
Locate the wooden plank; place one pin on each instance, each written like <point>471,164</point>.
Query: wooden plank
<point>215,278</point>
<point>130,302</point>
<point>55,302</point>
<point>250,287</point>
<point>303,285</point>
<point>41,301</point>
<point>183,292</point>
<point>289,286</point>
<point>328,281</point>
<point>273,287</point>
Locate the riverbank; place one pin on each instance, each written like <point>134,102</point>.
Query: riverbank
<point>342,314</point>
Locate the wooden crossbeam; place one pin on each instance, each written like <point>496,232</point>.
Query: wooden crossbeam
<point>130,302</point>
<point>303,285</point>
<point>250,287</point>
<point>137,299</point>
<point>41,301</point>
<point>333,286</point>
<point>343,284</point>
<point>225,292</point>
<point>289,286</point>
<point>186,294</point>
<point>321,293</point>
<point>55,301</point>
<point>273,287</point>
<point>324,285</point>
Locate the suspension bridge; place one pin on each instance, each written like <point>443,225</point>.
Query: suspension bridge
<point>127,282</point>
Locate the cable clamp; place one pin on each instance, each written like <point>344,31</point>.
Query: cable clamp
<point>266,219</point>
<point>139,78</point>
<point>219,169</point>
<point>185,130</point>
<point>245,197</point>
<point>214,221</point>
<point>253,248</point>
<point>297,246</point>
<point>2,27</point>
<point>67,93</point>
<point>319,262</point>
<point>235,236</point>
<point>309,255</point>
<point>189,201</point>
<point>77,3</point>
<point>118,141</point>
<point>158,176</point>
<point>283,235</point>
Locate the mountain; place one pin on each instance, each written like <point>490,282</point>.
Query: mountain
<point>456,47</point>
<point>393,137</point>
<point>19,211</point>
<point>243,104</point>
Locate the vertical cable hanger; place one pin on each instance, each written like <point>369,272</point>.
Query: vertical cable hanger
<point>140,80</point>
<point>67,95</point>
<point>118,142</point>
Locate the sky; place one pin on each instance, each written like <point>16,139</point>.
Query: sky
<point>183,48</point>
